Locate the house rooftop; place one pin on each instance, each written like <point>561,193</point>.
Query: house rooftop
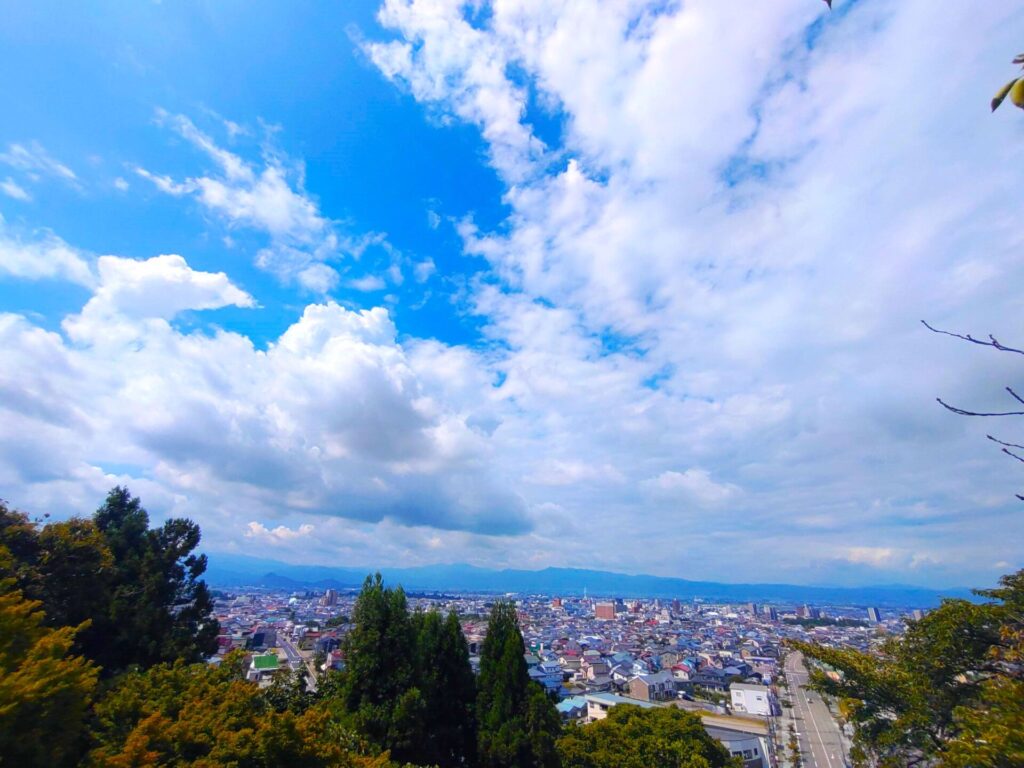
<point>265,661</point>
<point>612,699</point>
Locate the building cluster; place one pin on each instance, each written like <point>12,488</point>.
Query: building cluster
<point>717,660</point>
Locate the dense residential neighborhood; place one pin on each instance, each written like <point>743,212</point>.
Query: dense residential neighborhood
<point>721,661</point>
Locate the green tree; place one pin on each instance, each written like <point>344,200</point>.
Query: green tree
<point>44,691</point>
<point>159,609</point>
<point>445,680</point>
<point>991,729</point>
<point>631,737</point>
<point>518,724</point>
<point>67,566</point>
<point>139,589</point>
<point>194,715</point>
<point>928,697</point>
<point>377,687</point>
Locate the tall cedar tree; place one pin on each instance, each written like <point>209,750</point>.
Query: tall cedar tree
<point>446,681</point>
<point>378,689</point>
<point>518,724</point>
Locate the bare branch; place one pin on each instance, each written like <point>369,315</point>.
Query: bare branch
<point>962,412</point>
<point>1008,452</point>
<point>1008,445</point>
<point>992,342</point>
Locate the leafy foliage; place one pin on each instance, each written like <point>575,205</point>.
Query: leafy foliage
<point>631,737</point>
<point>377,689</point>
<point>45,692</point>
<point>139,589</point>
<point>518,724</point>
<point>943,693</point>
<point>160,610</point>
<point>194,715</point>
<point>1014,89</point>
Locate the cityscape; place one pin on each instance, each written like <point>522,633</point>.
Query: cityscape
<point>725,662</point>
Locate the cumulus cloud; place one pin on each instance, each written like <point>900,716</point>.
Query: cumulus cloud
<point>876,556</point>
<point>332,419</point>
<point>161,287</point>
<point>699,318</point>
<point>278,535</point>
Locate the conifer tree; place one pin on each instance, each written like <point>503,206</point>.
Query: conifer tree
<point>159,610</point>
<point>378,688</point>
<point>518,724</point>
<point>446,682</point>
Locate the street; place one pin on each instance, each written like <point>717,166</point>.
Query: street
<point>296,660</point>
<point>820,739</point>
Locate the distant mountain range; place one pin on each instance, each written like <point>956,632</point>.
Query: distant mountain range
<point>230,570</point>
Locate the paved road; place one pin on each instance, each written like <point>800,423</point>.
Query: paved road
<point>820,740</point>
<point>296,660</point>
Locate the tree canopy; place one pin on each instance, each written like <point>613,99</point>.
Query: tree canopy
<point>138,589</point>
<point>631,737</point>
<point>518,723</point>
<point>45,691</point>
<point>949,692</point>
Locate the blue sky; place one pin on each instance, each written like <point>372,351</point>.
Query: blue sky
<point>630,285</point>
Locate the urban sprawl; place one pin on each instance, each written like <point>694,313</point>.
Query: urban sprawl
<point>726,662</point>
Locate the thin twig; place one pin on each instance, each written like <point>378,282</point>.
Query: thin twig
<point>993,341</point>
<point>962,412</point>
<point>1008,445</point>
<point>1008,452</point>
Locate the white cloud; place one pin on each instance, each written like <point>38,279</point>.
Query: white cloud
<point>158,288</point>
<point>332,419</point>
<point>279,534</point>
<point>446,60</point>
<point>368,283</point>
<point>11,188</point>
<point>699,319</point>
<point>723,263</point>
<point>41,255</point>
<point>873,556</point>
<point>121,184</point>
<point>270,199</point>
<point>693,485</point>
<point>35,162</point>
<point>572,472</point>
<point>422,270</point>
